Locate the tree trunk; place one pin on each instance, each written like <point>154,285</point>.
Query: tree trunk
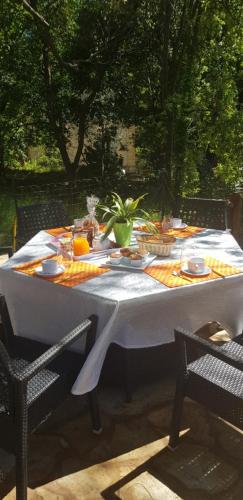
<point>54,115</point>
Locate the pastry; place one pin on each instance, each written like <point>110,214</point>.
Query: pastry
<point>125,252</point>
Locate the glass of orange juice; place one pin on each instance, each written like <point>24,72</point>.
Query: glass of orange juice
<point>80,245</point>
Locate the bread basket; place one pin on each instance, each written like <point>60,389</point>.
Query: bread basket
<point>156,244</point>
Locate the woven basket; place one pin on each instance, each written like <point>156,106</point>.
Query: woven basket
<point>156,244</point>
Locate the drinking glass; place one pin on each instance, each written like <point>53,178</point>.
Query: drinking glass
<point>65,251</point>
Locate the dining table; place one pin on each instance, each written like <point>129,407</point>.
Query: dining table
<point>135,309</point>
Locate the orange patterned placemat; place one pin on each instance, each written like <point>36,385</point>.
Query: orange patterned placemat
<point>74,274</point>
<point>185,233</point>
<point>58,231</point>
<point>178,233</point>
<point>163,273</point>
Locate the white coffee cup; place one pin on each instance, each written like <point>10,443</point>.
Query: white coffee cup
<point>176,222</point>
<point>49,266</point>
<point>196,265</point>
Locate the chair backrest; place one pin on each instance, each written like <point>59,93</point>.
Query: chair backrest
<point>6,325</point>
<point>6,369</point>
<point>72,194</point>
<point>6,373</point>
<point>32,218</point>
<point>203,212</point>
<point>5,361</point>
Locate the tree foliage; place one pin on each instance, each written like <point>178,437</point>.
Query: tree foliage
<point>169,67</point>
<point>181,88</point>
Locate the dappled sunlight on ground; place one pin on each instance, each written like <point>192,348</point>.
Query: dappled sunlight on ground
<point>130,459</point>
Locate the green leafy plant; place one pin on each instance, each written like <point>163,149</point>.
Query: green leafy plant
<point>126,211</point>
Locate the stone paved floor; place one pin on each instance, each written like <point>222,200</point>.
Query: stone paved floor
<point>130,459</point>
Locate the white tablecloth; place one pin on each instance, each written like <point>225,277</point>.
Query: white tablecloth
<point>134,310</point>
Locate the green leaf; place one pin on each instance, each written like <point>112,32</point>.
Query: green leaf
<point>109,226</point>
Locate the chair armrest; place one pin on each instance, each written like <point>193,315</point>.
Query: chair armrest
<point>191,339</point>
<point>42,361</point>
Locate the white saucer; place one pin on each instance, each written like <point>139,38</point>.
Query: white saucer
<point>206,272</point>
<point>39,271</point>
<point>182,226</point>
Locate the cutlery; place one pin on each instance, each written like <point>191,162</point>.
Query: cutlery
<point>175,273</point>
<point>218,272</point>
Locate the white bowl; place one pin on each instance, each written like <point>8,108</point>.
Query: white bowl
<point>136,263</point>
<point>115,260</point>
<point>126,260</point>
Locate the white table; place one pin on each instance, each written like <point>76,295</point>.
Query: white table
<point>134,310</point>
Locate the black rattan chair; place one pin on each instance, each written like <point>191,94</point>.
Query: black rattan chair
<point>203,212</point>
<point>34,379</point>
<point>214,379</point>
<point>32,218</point>
<point>6,251</point>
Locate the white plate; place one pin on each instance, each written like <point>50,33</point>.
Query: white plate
<point>127,265</point>
<point>182,226</point>
<point>206,272</point>
<point>39,271</point>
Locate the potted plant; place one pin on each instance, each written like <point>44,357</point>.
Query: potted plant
<point>122,216</point>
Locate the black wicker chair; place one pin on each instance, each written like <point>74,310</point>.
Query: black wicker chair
<point>5,253</point>
<point>203,212</point>
<point>6,250</point>
<point>34,380</point>
<point>32,218</point>
<point>214,379</point>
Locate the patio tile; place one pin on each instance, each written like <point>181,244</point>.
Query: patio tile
<point>130,459</point>
<point>235,493</point>
<point>146,487</point>
<point>229,438</point>
<point>197,468</point>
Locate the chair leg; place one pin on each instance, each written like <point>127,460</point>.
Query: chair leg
<point>176,416</point>
<point>127,377</point>
<point>94,411</point>
<point>21,449</point>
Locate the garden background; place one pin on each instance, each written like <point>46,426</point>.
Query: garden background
<point>125,95</point>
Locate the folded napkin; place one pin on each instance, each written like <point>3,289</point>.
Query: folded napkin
<point>178,233</point>
<point>74,274</point>
<point>163,273</point>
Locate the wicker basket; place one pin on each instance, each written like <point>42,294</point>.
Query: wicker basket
<point>156,244</point>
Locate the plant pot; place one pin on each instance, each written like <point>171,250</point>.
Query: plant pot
<point>123,232</point>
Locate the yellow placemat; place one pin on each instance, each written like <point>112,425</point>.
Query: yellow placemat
<point>163,273</point>
<point>74,274</point>
<point>58,231</point>
<point>178,233</point>
<point>185,233</point>
<point>33,263</point>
